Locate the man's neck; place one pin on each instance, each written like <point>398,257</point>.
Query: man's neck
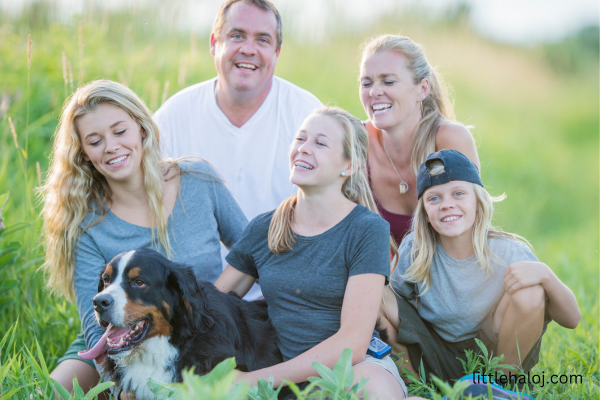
<point>240,105</point>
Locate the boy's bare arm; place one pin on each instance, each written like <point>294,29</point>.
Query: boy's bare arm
<point>562,304</point>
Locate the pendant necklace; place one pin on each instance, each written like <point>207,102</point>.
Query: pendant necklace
<point>403,185</point>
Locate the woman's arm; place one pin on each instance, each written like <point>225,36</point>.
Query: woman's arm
<point>457,137</point>
<point>359,314</point>
<point>561,305</point>
<point>233,280</point>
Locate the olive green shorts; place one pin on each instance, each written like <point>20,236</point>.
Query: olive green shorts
<point>440,357</point>
<point>76,346</point>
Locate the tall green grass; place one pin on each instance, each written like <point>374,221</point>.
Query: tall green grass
<point>536,128</point>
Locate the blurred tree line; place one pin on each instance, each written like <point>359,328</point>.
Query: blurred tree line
<point>575,53</point>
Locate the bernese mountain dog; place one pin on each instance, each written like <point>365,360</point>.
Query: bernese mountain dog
<point>160,320</point>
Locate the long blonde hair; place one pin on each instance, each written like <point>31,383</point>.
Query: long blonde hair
<point>355,188</point>
<point>74,187</point>
<point>426,238</point>
<point>437,106</point>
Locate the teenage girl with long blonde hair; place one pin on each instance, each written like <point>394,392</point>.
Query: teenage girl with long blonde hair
<point>322,258</point>
<point>108,191</point>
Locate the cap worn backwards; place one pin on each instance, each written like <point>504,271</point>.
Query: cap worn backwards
<point>457,167</point>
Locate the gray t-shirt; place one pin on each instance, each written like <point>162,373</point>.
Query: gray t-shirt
<point>305,287</point>
<point>205,214</point>
<point>461,294</point>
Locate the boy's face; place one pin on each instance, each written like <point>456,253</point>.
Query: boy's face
<point>451,209</point>
<point>245,49</point>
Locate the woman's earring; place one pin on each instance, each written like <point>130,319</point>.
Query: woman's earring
<point>343,174</point>
<point>421,104</point>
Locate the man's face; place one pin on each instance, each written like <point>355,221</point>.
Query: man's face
<point>245,50</point>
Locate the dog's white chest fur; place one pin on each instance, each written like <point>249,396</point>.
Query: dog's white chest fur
<point>154,358</point>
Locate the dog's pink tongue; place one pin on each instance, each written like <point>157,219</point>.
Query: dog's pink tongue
<point>98,352</point>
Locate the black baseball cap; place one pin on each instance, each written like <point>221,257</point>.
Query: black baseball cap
<point>457,167</point>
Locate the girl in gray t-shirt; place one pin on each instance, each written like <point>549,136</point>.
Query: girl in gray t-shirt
<point>467,278</point>
<point>322,258</point>
<point>108,191</point>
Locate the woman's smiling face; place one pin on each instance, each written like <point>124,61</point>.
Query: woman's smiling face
<point>112,140</point>
<point>387,91</point>
<point>317,153</point>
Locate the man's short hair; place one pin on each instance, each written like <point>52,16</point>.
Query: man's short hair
<point>265,5</point>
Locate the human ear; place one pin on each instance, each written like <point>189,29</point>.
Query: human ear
<point>213,44</point>
<point>424,88</point>
<point>349,170</point>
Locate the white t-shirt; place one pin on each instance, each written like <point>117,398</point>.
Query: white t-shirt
<point>253,159</point>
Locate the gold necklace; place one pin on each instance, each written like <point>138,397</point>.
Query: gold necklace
<point>403,185</point>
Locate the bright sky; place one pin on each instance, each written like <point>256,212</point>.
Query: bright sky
<point>511,21</point>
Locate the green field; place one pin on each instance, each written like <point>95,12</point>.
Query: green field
<point>535,123</point>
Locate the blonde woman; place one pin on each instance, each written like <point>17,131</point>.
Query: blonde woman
<point>469,279</point>
<point>322,258</point>
<point>409,116</point>
<point>109,191</point>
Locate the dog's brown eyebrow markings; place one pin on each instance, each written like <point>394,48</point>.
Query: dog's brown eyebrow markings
<point>188,307</point>
<point>109,270</point>
<point>134,272</point>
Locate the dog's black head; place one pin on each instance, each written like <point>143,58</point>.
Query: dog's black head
<point>142,294</point>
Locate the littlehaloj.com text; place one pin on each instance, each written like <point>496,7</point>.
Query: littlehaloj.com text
<point>530,379</point>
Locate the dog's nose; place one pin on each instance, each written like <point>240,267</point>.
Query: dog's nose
<point>102,302</point>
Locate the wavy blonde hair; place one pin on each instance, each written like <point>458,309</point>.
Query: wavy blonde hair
<point>355,188</point>
<point>437,106</point>
<point>74,187</point>
<point>426,238</point>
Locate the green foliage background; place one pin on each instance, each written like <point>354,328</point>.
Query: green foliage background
<point>534,113</point>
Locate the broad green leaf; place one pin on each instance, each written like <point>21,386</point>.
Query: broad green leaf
<point>161,390</point>
<point>237,393</point>
<point>343,369</point>
<point>294,388</point>
<point>220,371</point>
<point>96,390</point>
<point>482,347</point>
<point>358,386</point>
<point>64,393</point>
<point>264,391</point>
<point>77,390</point>
<point>324,372</point>
<point>331,387</point>
<point>253,393</point>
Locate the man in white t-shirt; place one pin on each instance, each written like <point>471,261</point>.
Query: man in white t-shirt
<point>244,120</point>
